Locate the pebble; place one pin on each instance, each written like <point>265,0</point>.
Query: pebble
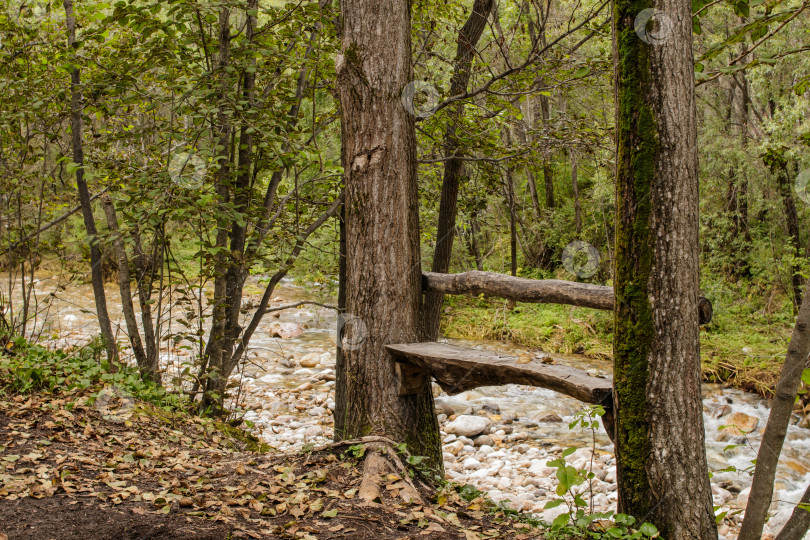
<point>471,463</point>
<point>484,440</point>
<point>467,425</point>
<point>310,360</point>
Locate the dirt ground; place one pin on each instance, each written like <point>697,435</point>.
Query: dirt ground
<point>68,472</point>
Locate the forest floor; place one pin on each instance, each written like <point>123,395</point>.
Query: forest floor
<point>69,469</point>
<point>743,346</point>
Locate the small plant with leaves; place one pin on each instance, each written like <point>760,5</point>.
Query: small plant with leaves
<point>418,465</point>
<point>581,520</point>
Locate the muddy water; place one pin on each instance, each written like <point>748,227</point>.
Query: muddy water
<point>291,405</point>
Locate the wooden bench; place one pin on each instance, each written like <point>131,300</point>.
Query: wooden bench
<point>457,369</point>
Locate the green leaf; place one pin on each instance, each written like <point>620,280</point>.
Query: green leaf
<point>560,521</point>
<point>553,504</point>
<point>581,72</point>
<point>648,529</point>
<point>329,513</point>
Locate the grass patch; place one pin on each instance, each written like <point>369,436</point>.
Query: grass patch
<point>744,345</point>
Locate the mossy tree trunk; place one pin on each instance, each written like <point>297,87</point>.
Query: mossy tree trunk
<point>383,270</point>
<point>661,461</point>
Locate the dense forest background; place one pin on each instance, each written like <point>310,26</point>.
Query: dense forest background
<point>533,132</point>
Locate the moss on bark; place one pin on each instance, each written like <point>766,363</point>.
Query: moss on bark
<point>637,145</point>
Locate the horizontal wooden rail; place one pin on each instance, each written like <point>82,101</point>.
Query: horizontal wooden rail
<point>538,291</point>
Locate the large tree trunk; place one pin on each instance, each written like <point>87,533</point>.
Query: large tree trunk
<point>661,460</point>
<point>84,195</point>
<point>383,274</point>
<point>467,39</point>
<point>775,431</point>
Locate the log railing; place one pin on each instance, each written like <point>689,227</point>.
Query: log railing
<point>538,291</point>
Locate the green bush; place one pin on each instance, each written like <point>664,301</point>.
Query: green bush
<point>28,367</point>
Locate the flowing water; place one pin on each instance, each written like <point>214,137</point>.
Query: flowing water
<point>291,405</point>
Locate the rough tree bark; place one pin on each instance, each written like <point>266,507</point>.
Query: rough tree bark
<point>76,99</point>
<point>468,37</point>
<point>661,462</point>
<point>383,275</point>
<point>775,431</point>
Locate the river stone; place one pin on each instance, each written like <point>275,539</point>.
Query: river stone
<point>454,447</point>
<point>550,418</point>
<point>468,426</point>
<point>722,411</point>
<point>484,440</point>
<point>310,360</point>
<point>738,424</point>
<point>742,498</point>
<point>471,463</point>
<point>805,422</point>
<point>283,419</point>
<point>491,408</point>
<point>444,408</point>
<point>777,522</point>
<point>285,330</point>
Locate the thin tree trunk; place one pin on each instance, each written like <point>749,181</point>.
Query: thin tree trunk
<point>779,166</point>
<point>510,199</point>
<point>383,274</point>
<point>799,522</point>
<point>472,244</point>
<point>467,39</point>
<point>575,186</point>
<point>84,195</point>
<point>661,462</point>
<point>216,379</point>
<point>548,172</point>
<point>776,429</point>
<point>148,371</point>
<point>530,179</point>
<point>238,266</point>
<point>144,281</point>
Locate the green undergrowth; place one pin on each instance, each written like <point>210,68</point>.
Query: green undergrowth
<point>744,346</point>
<point>26,368</point>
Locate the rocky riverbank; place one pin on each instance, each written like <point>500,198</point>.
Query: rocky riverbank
<point>507,455</point>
